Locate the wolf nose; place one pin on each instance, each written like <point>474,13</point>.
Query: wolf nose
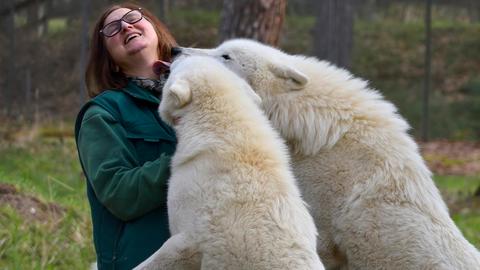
<point>175,51</point>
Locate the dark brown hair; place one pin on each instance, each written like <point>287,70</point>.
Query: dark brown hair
<point>101,74</point>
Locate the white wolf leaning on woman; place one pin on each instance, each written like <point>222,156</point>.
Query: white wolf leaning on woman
<point>371,195</point>
<point>232,200</point>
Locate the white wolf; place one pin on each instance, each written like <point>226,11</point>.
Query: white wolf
<point>370,193</point>
<point>233,202</point>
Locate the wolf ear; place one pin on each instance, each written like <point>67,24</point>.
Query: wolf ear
<point>251,93</point>
<point>181,93</point>
<point>296,79</point>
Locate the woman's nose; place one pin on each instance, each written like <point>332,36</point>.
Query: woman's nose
<point>124,25</point>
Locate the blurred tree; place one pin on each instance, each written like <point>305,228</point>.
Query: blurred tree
<point>9,27</point>
<point>197,4</point>
<point>428,71</point>
<point>37,16</point>
<point>86,10</point>
<point>300,7</point>
<point>160,8</point>
<point>333,31</point>
<point>474,13</point>
<point>261,20</point>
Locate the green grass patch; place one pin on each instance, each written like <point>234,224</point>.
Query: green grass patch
<point>469,224</point>
<point>458,184</point>
<point>64,243</point>
<point>464,207</point>
<point>47,170</point>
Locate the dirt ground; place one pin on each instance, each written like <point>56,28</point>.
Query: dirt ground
<point>29,207</point>
<point>452,158</point>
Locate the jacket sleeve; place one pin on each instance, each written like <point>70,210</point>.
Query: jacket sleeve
<point>128,189</point>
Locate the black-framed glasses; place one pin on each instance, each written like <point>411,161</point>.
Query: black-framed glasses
<point>131,17</point>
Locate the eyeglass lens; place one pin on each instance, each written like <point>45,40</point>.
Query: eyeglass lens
<point>114,27</point>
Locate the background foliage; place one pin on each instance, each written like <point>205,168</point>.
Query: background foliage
<point>44,214</point>
<point>42,77</point>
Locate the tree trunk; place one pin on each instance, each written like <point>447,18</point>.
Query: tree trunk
<point>261,20</point>
<point>333,32</point>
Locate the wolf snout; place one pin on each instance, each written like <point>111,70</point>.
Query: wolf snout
<point>175,51</point>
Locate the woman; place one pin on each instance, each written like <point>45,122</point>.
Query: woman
<point>123,146</point>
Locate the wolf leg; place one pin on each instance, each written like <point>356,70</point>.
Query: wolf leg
<point>178,252</point>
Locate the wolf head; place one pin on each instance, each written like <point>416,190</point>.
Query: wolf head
<point>192,81</point>
<point>263,67</point>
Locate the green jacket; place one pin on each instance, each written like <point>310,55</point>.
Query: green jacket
<point>125,150</point>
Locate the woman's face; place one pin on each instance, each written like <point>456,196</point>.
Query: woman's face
<point>133,40</point>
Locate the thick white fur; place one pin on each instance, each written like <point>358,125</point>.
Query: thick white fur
<point>371,195</point>
<point>233,202</point>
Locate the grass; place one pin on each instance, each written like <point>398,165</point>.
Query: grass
<point>460,185</point>
<point>59,244</point>
<point>469,224</point>
<point>465,210</point>
<point>48,169</point>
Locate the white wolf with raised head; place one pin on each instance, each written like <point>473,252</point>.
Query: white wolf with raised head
<point>233,202</point>
<point>370,193</point>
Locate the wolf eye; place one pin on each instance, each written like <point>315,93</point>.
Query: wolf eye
<point>226,56</point>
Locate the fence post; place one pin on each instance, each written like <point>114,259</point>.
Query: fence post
<point>426,88</point>
<point>9,94</point>
<point>28,94</point>
<point>84,49</point>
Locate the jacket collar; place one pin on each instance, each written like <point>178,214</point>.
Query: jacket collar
<point>140,93</point>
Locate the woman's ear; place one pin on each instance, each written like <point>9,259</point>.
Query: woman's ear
<point>160,67</point>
